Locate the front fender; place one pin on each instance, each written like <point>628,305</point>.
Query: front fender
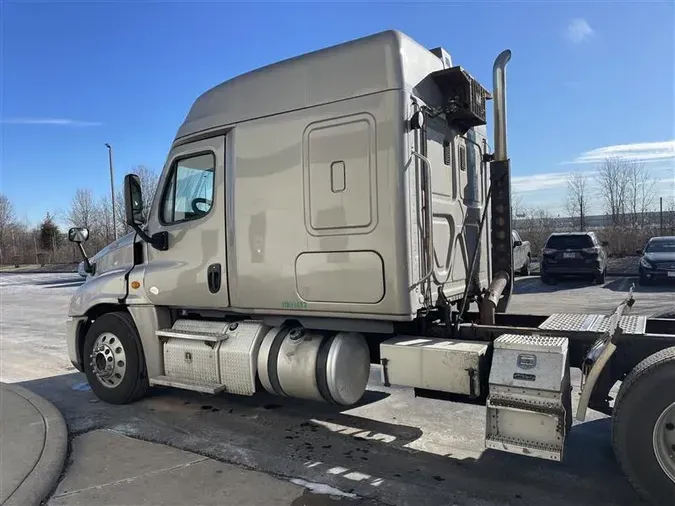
<point>108,292</point>
<point>106,288</point>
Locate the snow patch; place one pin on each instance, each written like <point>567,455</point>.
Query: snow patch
<point>320,488</point>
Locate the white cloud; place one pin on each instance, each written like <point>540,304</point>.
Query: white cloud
<point>642,151</point>
<point>50,121</point>
<point>537,182</point>
<point>578,30</point>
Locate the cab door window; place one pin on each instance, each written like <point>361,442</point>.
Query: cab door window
<point>189,190</point>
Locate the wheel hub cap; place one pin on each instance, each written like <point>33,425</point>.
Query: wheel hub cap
<point>664,441</point>
<point>108,360</point>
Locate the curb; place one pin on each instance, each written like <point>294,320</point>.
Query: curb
<point>43,477</point>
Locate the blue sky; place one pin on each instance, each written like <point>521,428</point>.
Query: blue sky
<point>585,77</point>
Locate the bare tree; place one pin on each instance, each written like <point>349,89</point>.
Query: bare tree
<point>537,225</point>
<point>7,219</point>
<point>83,210</point>
<point>105,219</point>
<point>577,197</point>
<point>518,209</point>
<point>641,192</point>
<point>613,180</point>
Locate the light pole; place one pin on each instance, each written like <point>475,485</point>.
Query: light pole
<point>112,191</point>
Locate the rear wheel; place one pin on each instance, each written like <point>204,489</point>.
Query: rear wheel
<point>525,271</point>
<point>113,359</point>
<point>643,427</point>
<point>600,278</point>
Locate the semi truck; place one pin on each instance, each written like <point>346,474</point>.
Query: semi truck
<point>344,209</point>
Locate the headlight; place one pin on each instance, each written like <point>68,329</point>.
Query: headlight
<point>645,263</point>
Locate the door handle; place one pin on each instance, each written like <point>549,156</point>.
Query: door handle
<point>213,276</point>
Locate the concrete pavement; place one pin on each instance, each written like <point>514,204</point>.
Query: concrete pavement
<point>109,468</point>
<point>33,446</point>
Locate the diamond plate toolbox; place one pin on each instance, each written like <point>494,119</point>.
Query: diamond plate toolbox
<point>529,362</point>
<point>238,356</point>
<point>214,353</point>
<point>191,360</point>
<point>529,405</point>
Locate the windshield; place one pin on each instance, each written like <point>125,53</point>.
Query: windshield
<point>569,242</point>
<point>661,246</point>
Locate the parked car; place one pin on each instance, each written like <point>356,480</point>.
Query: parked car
<point>522,256</point>
<point>578,254</point>
<point>657,261</point>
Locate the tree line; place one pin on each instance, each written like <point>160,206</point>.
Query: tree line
<point>628,196</point>
<point>47,243</point>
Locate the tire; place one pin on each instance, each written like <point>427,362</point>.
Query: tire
<point>646,393</point>
<point>525,271</point>
<point>600,278</point>
<point>547,279</point>
<point>112,330</point>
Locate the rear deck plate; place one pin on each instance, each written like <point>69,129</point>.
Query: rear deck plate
<point>630,325</point>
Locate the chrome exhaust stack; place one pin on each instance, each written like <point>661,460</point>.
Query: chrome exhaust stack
<point>496,300</point>
<point>499,90</point>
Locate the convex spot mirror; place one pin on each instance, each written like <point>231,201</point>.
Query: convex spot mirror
<point>78,234</point>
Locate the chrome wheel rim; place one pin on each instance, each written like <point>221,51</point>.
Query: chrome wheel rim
<point>108,360</point>
<point>664,441</point>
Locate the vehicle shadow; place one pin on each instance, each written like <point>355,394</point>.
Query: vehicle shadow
<point>344,448</point>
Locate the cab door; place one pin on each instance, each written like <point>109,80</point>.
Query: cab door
<point>190,206</point>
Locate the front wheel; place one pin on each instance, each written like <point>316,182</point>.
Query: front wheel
<point>113,359</point>
<point>643,427</point>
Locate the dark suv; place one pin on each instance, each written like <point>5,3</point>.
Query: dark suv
<point>658,260</point>
<point>573,254</point>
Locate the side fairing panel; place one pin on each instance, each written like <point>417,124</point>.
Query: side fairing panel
<point>316,213</point>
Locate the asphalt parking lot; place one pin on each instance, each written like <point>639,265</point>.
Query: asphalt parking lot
<point>393,447</point>
<point>531,296</point>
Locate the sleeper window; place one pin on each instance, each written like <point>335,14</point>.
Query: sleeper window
<point>189,193</point>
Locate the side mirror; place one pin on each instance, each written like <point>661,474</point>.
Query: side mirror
<point>517,243</point>
<point>605,243</point>
<point>133,210</point>
<point>133,200</point>
<point>638,251</point>
<point>78,234</point>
